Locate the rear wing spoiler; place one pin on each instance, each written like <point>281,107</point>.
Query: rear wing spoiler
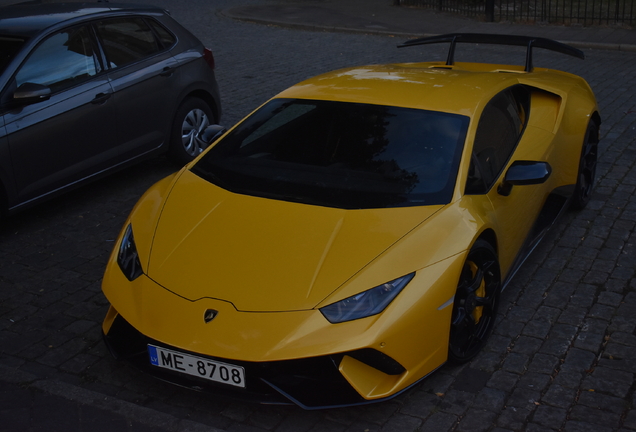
<point>495,39</point>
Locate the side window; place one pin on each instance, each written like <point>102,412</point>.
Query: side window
<point>498,132</point>
<point>166,38</point>
<point>126,40</point>
<point>60,61</point>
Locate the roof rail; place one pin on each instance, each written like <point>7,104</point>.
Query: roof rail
<point>496,39</point>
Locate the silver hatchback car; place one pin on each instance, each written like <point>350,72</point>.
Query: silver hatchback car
<point>90,88</point>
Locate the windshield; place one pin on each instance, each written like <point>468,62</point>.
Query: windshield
<point>338,154</point>
<point>8,47</point>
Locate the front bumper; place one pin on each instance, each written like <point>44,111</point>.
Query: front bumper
<point>289,357</point>
<point>311,383</point>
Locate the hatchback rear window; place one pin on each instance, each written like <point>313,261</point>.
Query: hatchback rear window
<point>343,155</point>
<point>166,38</point>
<point>126,40</point>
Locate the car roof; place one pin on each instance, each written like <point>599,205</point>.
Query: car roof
<point>28,19</point>
<point>460,89</point>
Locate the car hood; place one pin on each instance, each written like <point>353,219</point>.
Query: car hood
<point>263,254</point>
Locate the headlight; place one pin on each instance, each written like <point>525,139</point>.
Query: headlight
<point>127,257</point>
<point>367,303</point>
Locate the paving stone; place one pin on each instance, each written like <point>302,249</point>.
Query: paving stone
<point>490,399</point>
<point>543,364</point>
<point>237,412</point>
<point>509,328</point>
<point>267,419</point>
<point>616,285</point>
<point>618,356</point>
<point>538,327</point>
<point>379,413</point>
<point>437,383</point>
<point>549,417</point>
<point>602,311</point>
<point>503,380</point>
<point>560,292</point>
<point>612,382</point>
<point>456,402</point>
<point>569,378</point>
<point>498,344</point>
<point>439,422</point>
<point>366,427</point>
<point>589,341</point>
<point>594,416</point>
<point>556,346</point>
<point>572,315</point>
<point>602,402</point>
<point>559,396</point>
<point>400,423</point>
<point>513,418</point>
<point>246,428</point>
<point>488,361</point>
<point>594,325</point>
<point>524,398</point>
<point>516,363</point>
<point>476,420</point>
<point>583,295</point>
<point>527,345</point>
<point>421,404</point>
<point>521,313</point>
<point>623,273</point>
<point>534,381</point>
<point>630,420</point>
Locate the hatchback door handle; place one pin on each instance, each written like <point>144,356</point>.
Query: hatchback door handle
<point>100,98</point>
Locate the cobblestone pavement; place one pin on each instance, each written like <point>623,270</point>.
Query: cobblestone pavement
<point>563,352</point>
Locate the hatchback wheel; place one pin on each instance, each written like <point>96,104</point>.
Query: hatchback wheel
<point>192,117</point>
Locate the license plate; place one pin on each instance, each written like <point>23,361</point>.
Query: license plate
<point>197,366</point>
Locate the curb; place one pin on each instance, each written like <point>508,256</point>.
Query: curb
<point>316,27</point>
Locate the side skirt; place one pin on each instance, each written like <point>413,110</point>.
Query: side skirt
<point>554,206</point>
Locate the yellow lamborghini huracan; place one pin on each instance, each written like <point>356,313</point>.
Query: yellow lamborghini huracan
<point>353,233</point>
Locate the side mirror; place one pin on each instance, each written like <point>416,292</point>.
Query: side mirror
<point>29,93</point>
<point>212,133</point>
<point>524,173</point>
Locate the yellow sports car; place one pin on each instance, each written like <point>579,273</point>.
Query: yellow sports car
<point>354,233</point>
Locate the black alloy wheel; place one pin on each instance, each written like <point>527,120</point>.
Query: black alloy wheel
<point>476,303</point>
<point>587,168</point>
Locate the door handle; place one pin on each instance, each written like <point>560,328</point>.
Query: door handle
<point>167,71</point>
<point>100,98</point>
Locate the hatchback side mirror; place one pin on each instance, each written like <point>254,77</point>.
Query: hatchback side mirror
<point>212,133</point>
<point>524,173</point>
<point>29,93</point>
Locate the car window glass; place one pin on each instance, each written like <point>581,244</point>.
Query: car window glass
<point>338,154</point>
<point>8,47</point>
<point>60,61</point>
<point>165,37</point>
<point>278,120</point>
<point>498,132</point>
<point>126,40</point>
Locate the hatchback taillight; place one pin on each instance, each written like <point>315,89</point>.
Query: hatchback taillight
<point>209,58</point>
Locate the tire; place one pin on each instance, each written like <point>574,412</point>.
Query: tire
<point>476,303</point>
<point>587,169</point>
<point>191,119</point>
